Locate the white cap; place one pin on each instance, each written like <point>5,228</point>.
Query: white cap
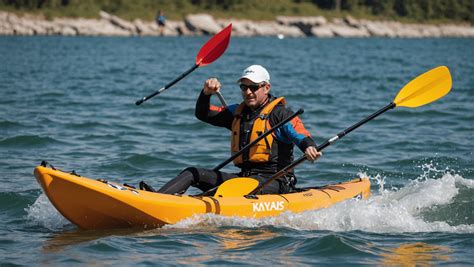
<point>256,74</point>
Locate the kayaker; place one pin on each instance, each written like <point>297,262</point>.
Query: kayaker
<point>259,111</point>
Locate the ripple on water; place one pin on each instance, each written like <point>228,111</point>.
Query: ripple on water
<point>29,141</point>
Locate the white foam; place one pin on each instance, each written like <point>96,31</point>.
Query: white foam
<point>386,211</point>
<point>42,212</point>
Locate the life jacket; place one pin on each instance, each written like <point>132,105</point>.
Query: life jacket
<point>261,151</point>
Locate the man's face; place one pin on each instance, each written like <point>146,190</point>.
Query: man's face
<point>254,97</point>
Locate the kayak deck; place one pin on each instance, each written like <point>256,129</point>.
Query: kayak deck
<point>99,204</point>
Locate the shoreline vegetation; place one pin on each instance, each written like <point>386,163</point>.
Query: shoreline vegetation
<point>281,18</point>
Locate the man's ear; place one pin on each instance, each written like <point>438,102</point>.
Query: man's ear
<point>268,87</point>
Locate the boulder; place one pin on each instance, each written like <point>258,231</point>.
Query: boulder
<point>457,31</point>
<point>12,19</point>
<point>348,32</point>
<point>182,29</point>
<point>46,26</point>
<point>19,25</point>
<point>378,29</point>
<point>240,28</point>
<point>429,31</point>
<point>150,28</point>
<point>18,29</point>
<point>263,28</point>
<point>322,31</point>
<point>289,31</point>
<point>119,22</point>
<point>109,29</point>
<point>3,16</point>
<point>303,23</point>
<point>6,31</point>
<point>35,26</point>
<point>68,31</point>
<point>5,27</point>
<point>202,24</point>
<point>306,20</point>
<point>349,20</point>
<point>338,21</point>
<point>145,28</point>
<point>171,27</point>
<point>404,30</point>
<point>93,27</point>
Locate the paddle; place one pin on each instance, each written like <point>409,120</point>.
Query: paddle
<point>209,52</point>
<point>424,89</point>
<point>244,185</point>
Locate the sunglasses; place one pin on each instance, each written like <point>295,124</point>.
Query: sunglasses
<point>252,87</point>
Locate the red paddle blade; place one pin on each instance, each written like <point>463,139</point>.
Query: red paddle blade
<point>215,47</point>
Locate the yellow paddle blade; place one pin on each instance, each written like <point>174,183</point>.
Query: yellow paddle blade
<point>425,88</point>
<point>236,187</point>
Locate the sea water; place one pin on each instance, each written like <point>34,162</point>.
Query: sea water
<point>70,101</point>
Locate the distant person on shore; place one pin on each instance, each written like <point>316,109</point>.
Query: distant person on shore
<point>161,21</point>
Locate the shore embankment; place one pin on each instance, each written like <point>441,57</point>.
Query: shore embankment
<point>204,24</point>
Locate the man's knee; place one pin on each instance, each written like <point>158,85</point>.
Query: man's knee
<point>193,171</point>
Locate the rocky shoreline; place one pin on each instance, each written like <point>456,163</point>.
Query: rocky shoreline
<point>203,24</point>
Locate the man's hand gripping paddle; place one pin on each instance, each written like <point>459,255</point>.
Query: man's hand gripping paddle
<point>209,52</point>
<point>424,89</point>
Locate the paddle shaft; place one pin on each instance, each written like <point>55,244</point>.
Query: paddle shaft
<point>327,143</point>
<point>168,85</point>
<point>221,98</point>
<point>245,148</point>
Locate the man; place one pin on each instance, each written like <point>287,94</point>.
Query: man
<point>258,112</point>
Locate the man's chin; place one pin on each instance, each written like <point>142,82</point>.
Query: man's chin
<point>251,104</point>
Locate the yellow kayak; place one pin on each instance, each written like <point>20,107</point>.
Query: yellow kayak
<point>99,204</point>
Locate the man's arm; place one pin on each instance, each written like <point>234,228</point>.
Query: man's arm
<point>217,116</point>
<point>294,132</point>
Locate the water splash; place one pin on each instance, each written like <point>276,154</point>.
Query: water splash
<point>42,212</point>
<point>387,211</point>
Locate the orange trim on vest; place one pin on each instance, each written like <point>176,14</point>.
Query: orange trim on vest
<point>216,108</point>
<point>259,152</point>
